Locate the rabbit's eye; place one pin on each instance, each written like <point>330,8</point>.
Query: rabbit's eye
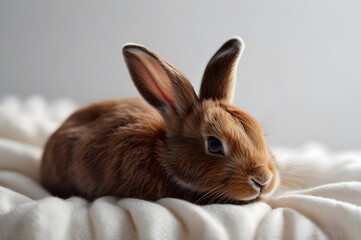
<point>214,146</point>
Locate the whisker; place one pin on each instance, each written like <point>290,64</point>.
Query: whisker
<point>223,197</point>
<point>215,197</point>
<point>207,193</point>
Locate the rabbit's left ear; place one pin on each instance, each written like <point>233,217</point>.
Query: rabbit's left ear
<point>160,83</point>
<point>219,78</point>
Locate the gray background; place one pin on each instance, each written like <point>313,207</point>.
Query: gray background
<point>300,74</point>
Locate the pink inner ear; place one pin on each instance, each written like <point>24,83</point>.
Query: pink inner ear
<point>155,79</point>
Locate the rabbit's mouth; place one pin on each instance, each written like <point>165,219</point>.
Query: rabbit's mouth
<point>251,199</point>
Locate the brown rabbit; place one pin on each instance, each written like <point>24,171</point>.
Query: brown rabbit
<point>200,149</point>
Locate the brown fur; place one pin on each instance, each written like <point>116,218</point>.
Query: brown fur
<point>126,148</point>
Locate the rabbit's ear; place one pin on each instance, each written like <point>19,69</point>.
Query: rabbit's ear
<point>158,81</point>
<point>219,78</point>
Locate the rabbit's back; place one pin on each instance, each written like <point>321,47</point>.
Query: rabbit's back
<point>105,149</point>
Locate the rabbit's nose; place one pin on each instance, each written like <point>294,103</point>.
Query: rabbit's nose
<point>259,183</point>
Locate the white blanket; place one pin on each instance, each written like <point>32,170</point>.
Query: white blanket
<point>319,196</point>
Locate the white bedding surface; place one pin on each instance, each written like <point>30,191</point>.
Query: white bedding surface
<point>319,196</point>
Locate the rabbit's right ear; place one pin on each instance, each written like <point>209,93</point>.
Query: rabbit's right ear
<point>219,78</point>
<point>158,81</point>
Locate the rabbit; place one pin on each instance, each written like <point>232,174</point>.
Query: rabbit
<point>175,144</point>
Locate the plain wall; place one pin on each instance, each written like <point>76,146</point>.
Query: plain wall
<point>300,74</point>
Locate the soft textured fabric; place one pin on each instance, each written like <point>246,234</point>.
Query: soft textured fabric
<point>319,196</point>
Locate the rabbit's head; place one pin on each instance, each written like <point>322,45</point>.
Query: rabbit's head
<point>211,146</point>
